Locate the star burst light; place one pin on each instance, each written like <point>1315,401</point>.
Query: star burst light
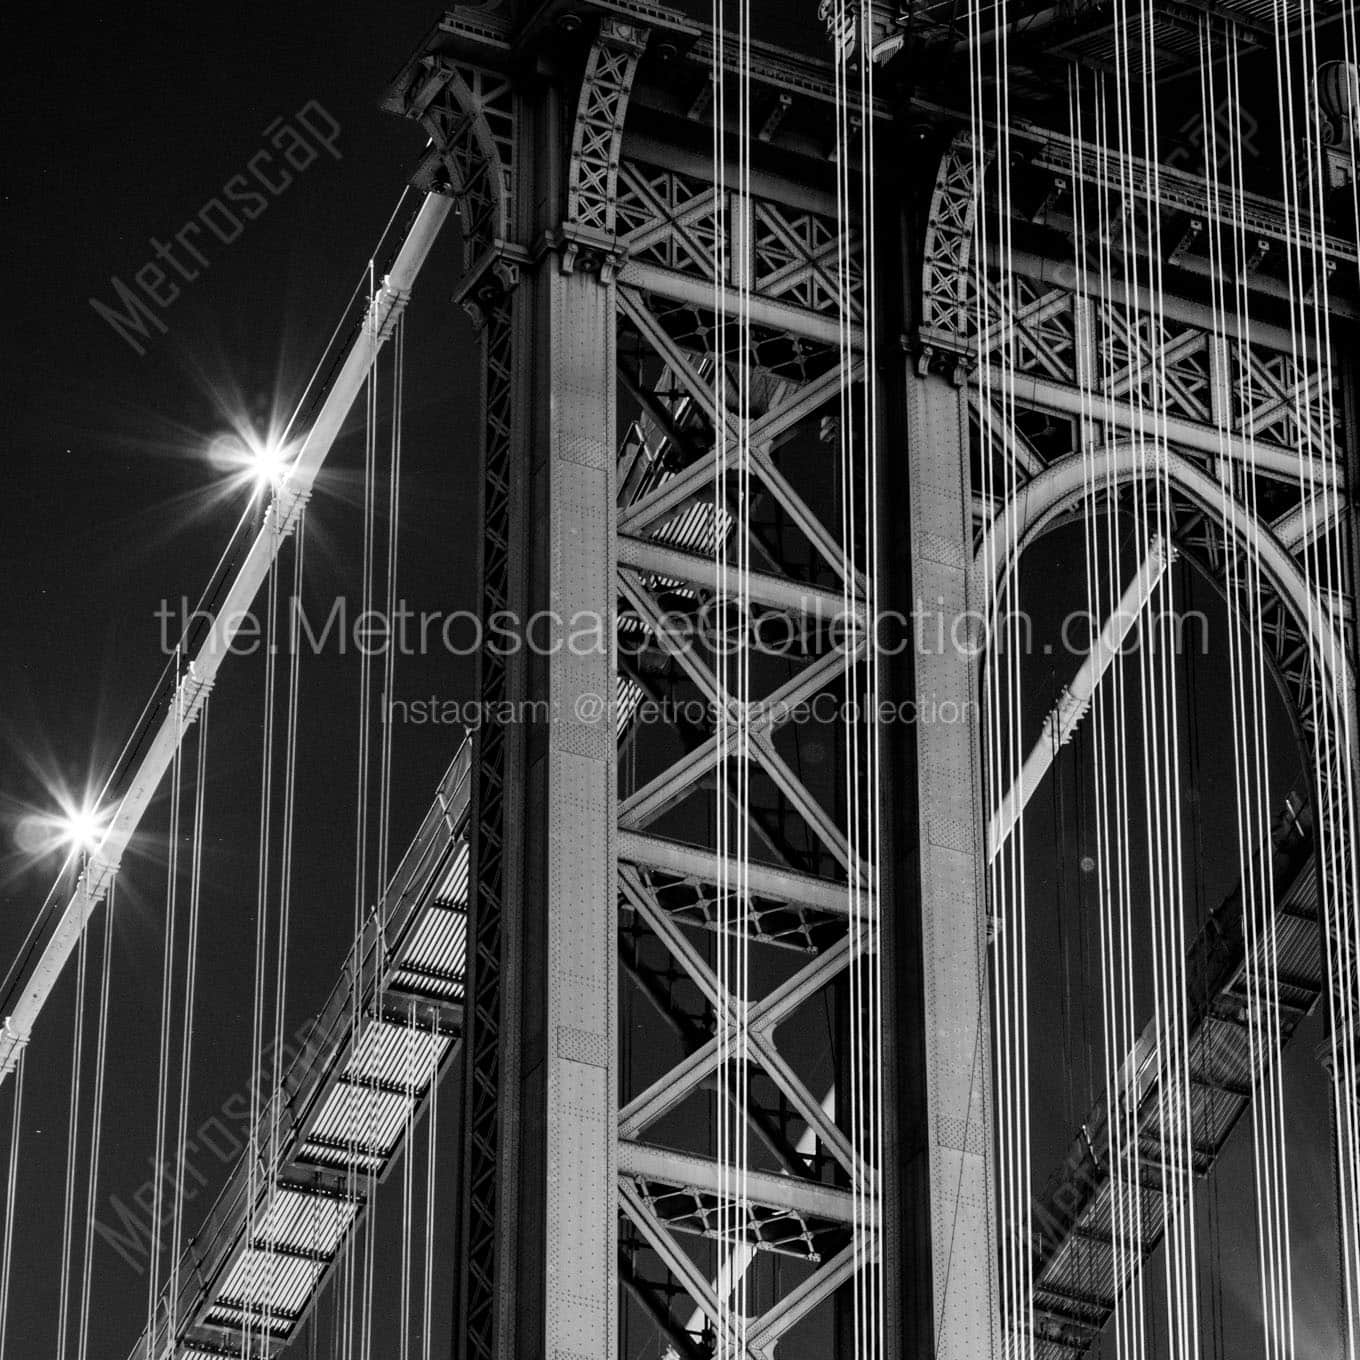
<point>81,829</point>
<point>260,461</point>
<point>72,828</point>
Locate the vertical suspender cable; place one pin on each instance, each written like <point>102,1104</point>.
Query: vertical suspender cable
<point>255,1320</point>
<point>991,437</point>
<point>846,28</point>
<point>187,1029</point>
<point>874,1149</point>
<point>853,36</point>
<point>283,929</point>
<point>1336,822</point>
<point>390,651</point>
<point>1236,599</point>
<point>1315,429</point>
<point>1250,752</point>
<point>725,1018</point>
<point>409,1089</point>
<point>1168,736</point>
<point>355,1274</point>
<point>167,993</point>
<point>431,1161</point>
<point>11,1200</point>
<point>96,1125</point>
<point>72,1144</point>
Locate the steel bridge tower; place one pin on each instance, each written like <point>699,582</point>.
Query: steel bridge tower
<point>577,145</point>
<point>578,152</point>
<point>558,933</point>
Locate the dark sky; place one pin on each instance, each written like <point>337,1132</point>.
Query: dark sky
<point>118,129</point>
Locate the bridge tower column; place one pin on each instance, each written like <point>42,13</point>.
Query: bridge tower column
<point>596,1217</point>
<point>947,881</point>
<point>529,150</point>
<point>568,1072</point>
<point>937,925</point>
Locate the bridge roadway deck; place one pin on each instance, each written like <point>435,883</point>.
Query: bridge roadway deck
<point>350,1096</point>
<point>1100,1194</point>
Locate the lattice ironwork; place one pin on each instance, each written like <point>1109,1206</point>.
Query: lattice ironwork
<point>792,255</point>
<point>1081,376</point>
<point>593,173</point>
<point>799,903</point>
<point>691,900</point>
<point>468,112</point>
<point>1284,398</point>
<point>492,870</point>
<point>1282,411</point>
<point>1032,327</point>
<point>767,1227</point>
<point>812,1192</point>
<point>948,251</point>
<point>798,255</point>
<point>1152,356</point>
<point>667,218</point>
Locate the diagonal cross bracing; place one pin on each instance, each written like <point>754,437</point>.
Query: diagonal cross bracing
<point>821,1204</point>
<point>1076,697</point>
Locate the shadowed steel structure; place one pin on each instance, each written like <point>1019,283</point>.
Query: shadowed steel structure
<point>577,139</point>
<point>552,934</point>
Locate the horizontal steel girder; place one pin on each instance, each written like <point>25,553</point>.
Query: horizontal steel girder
<point>781,885</point>
<point>1043,394</point>
<point>662,1165</point>
<point>780,316</point>
<point>760,588</point>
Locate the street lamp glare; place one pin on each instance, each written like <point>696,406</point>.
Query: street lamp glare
<point>81,829</point>
<point>269,463</point>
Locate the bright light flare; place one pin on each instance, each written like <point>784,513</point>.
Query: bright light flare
<point>74,829</point>
<point>270,464</point>
<point>82,829</point>
<point>261,461</point>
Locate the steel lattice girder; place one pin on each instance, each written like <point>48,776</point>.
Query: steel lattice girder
<point>794,338</point>
<point>659,1186</point>
<point>348,1099</point>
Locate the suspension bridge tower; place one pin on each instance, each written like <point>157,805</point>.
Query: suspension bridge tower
<point>580,145</point>
<point>721,923</point>
<point>627,278</point>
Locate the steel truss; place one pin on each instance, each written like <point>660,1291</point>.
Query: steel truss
<point>590,1193</point>
<point>631,259</point>
<point>796,1211</point>
<point>1258,412</point>
<point>558,910</point>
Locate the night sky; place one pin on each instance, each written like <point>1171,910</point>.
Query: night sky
<point>119,128</point>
